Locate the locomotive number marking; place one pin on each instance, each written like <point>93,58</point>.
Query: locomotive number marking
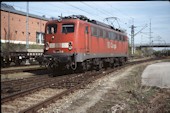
<point>59,45</point>
<point>52,45</point>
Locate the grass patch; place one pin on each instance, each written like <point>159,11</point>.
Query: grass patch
<point>130,96</point>
<point>138,97</point>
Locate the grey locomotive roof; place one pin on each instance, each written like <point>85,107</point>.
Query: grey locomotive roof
<point>11,9</point>
<point>84,18</point>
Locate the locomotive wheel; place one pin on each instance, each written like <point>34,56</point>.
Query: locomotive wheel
<point>121,61</point>
<point>100,66</point>
<point>84,66</point>
<point>106,65</point>
<point>116,64</point>
<point>124,61</point>
<point>111,63</point>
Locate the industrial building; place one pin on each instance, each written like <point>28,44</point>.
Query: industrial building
<point>15,25</point>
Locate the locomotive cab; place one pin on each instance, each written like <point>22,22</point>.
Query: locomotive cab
<point>59,43</point>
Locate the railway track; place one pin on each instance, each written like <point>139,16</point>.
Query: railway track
<point>16,88</point>
<point>70,83</point>
<point>18,70</point>
<point>13,86</point>
<point>20,66</point>
<point>63,82</point>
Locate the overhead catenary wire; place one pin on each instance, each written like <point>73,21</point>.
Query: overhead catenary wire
<point>53,5</point>
<point>76,7</point>
<point>91,8</point>
<point>68,4</point>
<point>95,9</point>
<point>79,9</point>
<point>59,8</point>
<point>120,12</point>
<point>101,11</point>
<point>106,12</point>
<point>32,9</point>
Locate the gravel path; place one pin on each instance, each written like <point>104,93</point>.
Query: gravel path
<point>157,75</point>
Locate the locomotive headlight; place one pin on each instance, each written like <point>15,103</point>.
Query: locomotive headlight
<point>46,45</point>
<point>52,37</point>
<point>70,46</point>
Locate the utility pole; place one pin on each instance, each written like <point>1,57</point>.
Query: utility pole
<point>27,32</point>
<point>40,32</point>
<point>133,34</point>
<point>8,41</point>
<point>27,27</point>
<point>132,37</point>
<point>149,33</point>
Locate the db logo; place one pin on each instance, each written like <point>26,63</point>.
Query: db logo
<point>111,45</point>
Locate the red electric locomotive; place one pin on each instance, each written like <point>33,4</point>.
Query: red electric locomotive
<point>75,42</point>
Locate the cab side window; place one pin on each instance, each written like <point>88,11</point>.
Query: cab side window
<point>51,29</point>
<point>86,30</point>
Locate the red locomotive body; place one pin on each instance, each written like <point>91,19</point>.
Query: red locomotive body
<point>77,42</point>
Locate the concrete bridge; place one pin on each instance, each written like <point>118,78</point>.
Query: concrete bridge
<point>152,45</point>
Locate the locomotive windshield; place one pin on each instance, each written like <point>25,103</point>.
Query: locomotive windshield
<point>67,28</point>
<point>51,28</point>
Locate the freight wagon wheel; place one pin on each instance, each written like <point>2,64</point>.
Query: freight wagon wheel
<point>18,62</point>
<point>7,63</point>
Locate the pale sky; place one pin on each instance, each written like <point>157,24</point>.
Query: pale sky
<point>139,11</point>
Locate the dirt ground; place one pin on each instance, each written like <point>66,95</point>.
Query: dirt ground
<point>119,92</point>
<point>132,97</point>
<point>157,74</point>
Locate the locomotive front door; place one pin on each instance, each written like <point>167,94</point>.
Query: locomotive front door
<point>87,39</point>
